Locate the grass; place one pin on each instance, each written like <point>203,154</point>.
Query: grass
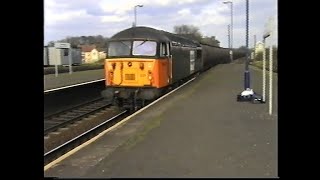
<point>259,64</point>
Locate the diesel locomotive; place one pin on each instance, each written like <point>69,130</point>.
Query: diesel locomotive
<point>142,63</point>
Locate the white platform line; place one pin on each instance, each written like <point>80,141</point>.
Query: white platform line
<point>73,85</point>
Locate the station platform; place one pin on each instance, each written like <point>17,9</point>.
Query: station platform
<point>65,79</point>
<point>199,130</point>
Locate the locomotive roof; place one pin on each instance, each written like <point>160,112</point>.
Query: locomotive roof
<point>142,32</point>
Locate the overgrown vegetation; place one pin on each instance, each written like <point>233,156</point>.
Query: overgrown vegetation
<point>193,32</point>
<point>75,41</point>
<point>258,60</point>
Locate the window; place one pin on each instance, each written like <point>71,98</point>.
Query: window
<point>66,52</point>
<point>139,48</point>
<point>164,49</point>
<point>144,48</point>
<point>168,48</point>
<point>120,48</point>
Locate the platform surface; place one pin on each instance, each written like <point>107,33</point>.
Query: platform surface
<point>198,131</point>
<point>51,81</point>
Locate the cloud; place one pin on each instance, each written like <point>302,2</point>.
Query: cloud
<point>184,12</point>
<point>107,17</point>
<point>114,18</point>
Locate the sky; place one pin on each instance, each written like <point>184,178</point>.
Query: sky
<point>107,17</point>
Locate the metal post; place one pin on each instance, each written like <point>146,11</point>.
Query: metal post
<point>254,46</point>
<point>229,36</point>
<point>70,60</point>
<point>135,16</point>
<point>56,61</point>
<point>270,80</point>
<point>264,72</point>
<point>231,29</point>
<point>247,73</point>
<point>231,25</point>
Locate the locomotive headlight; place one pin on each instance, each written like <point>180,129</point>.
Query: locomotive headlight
<point>150,75</point>
<point>141,66</point>
<point>149,65</point>
<point>113,65</point>
<point>129,64</point>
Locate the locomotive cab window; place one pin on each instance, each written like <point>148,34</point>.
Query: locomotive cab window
<point>144,48</point>
<point>164,49</point>
<point>119,48</point>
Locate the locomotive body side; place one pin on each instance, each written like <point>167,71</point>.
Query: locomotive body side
<point>214,55</point>
<point>185,57</point>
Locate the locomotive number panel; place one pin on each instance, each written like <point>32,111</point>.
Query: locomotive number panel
<point>130,77</point>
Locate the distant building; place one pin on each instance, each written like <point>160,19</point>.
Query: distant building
<point>45,56</point>
<point>91,54</point>
<point>102,55</point>
<point>259,47</point>
<point>56,56</point>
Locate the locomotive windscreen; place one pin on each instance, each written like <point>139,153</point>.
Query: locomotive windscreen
<point>137,48</point>
<point>119,48</point>
<point>144,48</point>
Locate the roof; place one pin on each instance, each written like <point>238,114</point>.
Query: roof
<point>99,49</point>
<point>152,34</point>
<point>87,48</point>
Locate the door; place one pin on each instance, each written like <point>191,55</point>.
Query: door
<point>168,45</point>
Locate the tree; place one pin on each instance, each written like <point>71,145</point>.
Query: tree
<point>188,31</point>
<point>76,41</point>
<point>243,48</point>
<point>210,41</point>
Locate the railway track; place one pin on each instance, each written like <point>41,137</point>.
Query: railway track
<point>60,150</point>
<point>80,112</point>
<point>63,118</point>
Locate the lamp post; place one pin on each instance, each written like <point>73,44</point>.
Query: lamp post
<point>231,27</point>
<point>247,73</point>
<point>135,14</point>
<point>248,94</point>
<point>229,36</point>
<point>265,36</point>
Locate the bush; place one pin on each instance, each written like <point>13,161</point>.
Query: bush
<point>259,58</point>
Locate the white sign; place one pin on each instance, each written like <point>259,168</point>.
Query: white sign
<point>192,61</point>
<point>62,45</point>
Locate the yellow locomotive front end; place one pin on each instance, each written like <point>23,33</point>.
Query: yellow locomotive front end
<point>134,70</point>
<point>129,72</point>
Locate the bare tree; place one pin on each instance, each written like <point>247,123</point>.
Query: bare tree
<point>211,41</point>
<point>188,31</point>
<point>76,41</point>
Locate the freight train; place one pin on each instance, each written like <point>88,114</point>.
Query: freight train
<point>142,63</point>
